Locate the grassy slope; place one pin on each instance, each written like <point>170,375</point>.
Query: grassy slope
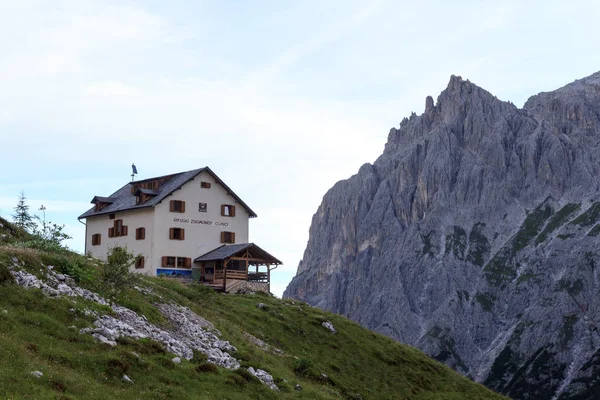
<point>38,333</point>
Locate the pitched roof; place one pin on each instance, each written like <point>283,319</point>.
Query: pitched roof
<point>232,250</point>
<point>123,199</point>
<point>100,199</point>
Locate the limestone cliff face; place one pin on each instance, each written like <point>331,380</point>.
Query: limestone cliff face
<point>474,237</point>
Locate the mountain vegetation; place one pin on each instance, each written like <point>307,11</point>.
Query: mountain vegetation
<point>70,330</point>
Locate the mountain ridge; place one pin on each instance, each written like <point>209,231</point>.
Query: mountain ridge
<point>438,243</point>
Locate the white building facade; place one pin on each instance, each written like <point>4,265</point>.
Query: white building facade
<point>168,221</point>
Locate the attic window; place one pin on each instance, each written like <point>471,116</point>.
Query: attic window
<point>205,185</point>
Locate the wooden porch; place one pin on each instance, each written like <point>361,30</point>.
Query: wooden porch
<point>227,265</point>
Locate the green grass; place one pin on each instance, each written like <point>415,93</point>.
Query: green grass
<point>558,220</point>
<point>589,217</point>
<point>41,334</point>
<point>502,269</point>
<point>486,301</point>
<point>479,245</point>
<point>456,242</point>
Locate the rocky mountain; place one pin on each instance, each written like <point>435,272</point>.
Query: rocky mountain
<point>474,237</point>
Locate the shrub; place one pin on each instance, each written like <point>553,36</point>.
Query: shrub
<point>199,357</point>
<point>302,366</point>
<point>248,377</point>
<point>115,274</point>
<point>207,368</point>
<point>5,275</point>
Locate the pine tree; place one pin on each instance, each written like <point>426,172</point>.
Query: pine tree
<point>22,217</point>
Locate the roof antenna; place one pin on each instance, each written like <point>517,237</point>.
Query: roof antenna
<point>133,171</point>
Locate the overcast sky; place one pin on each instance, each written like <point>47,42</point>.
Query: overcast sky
<point>281,99</point>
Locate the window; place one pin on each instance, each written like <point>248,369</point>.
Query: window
<point>140,234</point>
<point>118,229</point>
<point>227,237</point>
<point>177,206</point>
<point>176,233</point>
<point>96,240</point>
<point>139,263</point>
<point>202,207</point>
<point>227,210</point>
<point>168,261</point>
<point>205,185</point>
<point>176,262</point>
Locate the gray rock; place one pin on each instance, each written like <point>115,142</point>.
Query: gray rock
<point>260,305</point>
<point>328,325</point>
<point>176,360</point>
<point>264,377</point>
<point>37,374</point>
<point>474,237</point>
<point>60,277</point>
<point>126,379</point>
<point>298,387</point>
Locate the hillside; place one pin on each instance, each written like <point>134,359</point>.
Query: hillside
<point>474,237</point>
<point>87,341</point>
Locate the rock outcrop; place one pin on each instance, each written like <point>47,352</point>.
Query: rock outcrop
<point>474,237</point>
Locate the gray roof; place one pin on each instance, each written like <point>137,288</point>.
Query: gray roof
<point>101,199</point>
<point>231,250</point>
<point>124,200</point>
<point>148,192</point>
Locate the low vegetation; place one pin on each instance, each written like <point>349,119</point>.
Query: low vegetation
<point>39,333</point>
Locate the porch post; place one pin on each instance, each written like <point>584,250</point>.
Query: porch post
<point>269,277</point>
<point>225,274</point>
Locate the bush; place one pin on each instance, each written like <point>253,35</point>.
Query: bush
<point>115,274</point>
<point>207,368</point>
<point>5,275</point>
<point>248,377</point>
<point>69,264</point>
<point>199,357</point>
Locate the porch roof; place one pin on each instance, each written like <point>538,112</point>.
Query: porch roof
<point>238,250</point>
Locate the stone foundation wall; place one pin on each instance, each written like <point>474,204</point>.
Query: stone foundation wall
<point>247,286</point>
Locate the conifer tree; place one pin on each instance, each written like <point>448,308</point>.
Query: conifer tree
<point>22,217</point>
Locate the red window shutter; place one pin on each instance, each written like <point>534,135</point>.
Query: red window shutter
<point>164,261</point>
<point>125,230</point>
<point>183,206</point>
<point>223,210</point>
<point>222,237</point>
<point>232,210</point>
<point>143,233</point>
<point>232,237</point>
<point>172,205</point>
<point>188,262</point>
<point>111,232</point>
<point>182,235</point>
<point>171,233</point>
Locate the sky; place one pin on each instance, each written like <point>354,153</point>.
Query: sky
<point>281,99</point>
